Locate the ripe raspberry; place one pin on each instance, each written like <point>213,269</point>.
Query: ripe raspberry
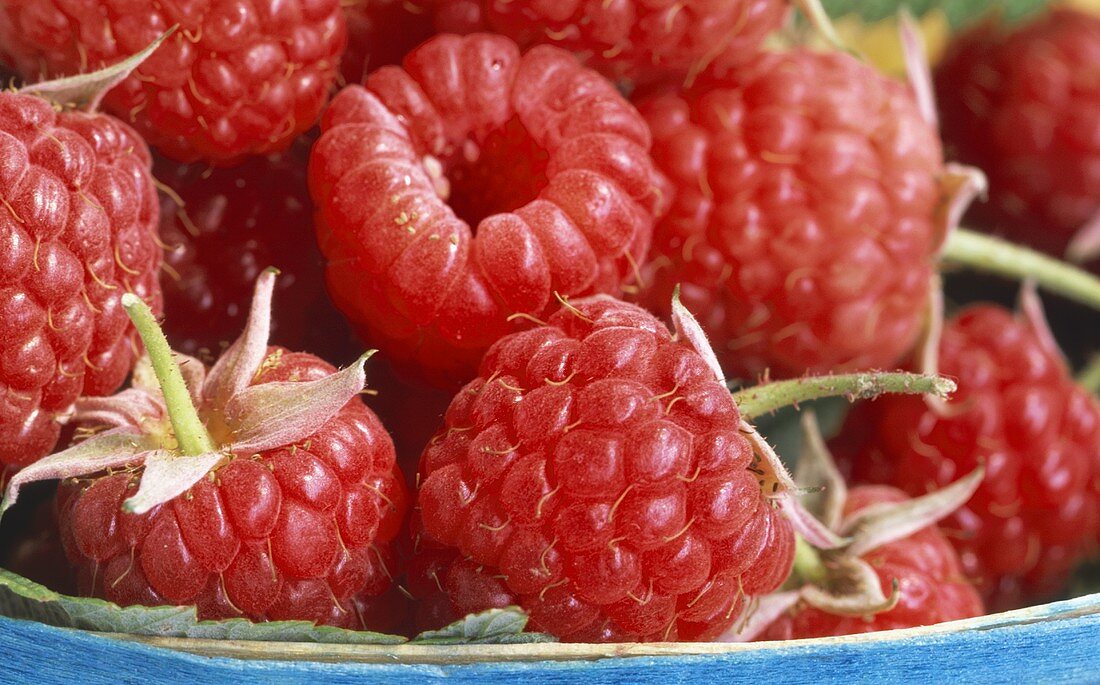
<point>1017,411</point>
<point>596,474</point>
<point>1024,105</point>
<point>284,510</point>
<point>641,40</point>
<point>237,78</point>
<point>78,228</point>
<point>382,32</point>
<point>234,223</point>
<point>931,587</point>
<point>460,192</point>
<point>805,216</point>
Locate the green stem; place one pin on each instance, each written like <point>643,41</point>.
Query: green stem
<point>808,567</point>
<point>986,253</point>
<point>191,434</point>
<point>764,399</point>
<point>1089,377</point>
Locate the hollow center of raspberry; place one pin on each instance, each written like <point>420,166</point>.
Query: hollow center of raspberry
<point>501,173</point>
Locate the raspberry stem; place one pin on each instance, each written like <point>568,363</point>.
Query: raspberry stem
<point>765,399</point>
<point>1089,377</point>
<point>986,253</point>
<point>191,434</point>
<point>808,567</point>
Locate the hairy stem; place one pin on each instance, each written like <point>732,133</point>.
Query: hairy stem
<point>1089,377</point>
<point>764,399</point>
<point>986,253</point>
<point>191,434</point>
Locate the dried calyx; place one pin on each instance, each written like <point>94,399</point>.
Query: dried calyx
<point>839,580</point>
<point>180,421</point>
<point>776,481</point>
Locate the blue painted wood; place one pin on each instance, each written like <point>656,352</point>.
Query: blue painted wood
<point>1056,643</point>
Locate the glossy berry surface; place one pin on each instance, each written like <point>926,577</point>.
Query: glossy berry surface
<point>78,222</point>
<point>641,40</point>
<point>594,474</point>
<point>1024,105</point>
<point>802,228</point>
<point>301,532</point>
<point>238,77</point>
<point>931,585</point>
<point>1018,412</point>
<point>470,186</point>
<point>233,224</point>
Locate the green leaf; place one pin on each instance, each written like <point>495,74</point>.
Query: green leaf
<point>958,12</point>
<point>495,626</point>
<point>21,598</point>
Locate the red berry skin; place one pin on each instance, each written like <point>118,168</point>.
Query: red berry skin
<point>1018,412</point>
<point>802,229</point>
<point>232,225</point>
<point>1024,106</point>
<point>594,474</point>
<point>640,40</point>
<point>457,194</point>
<point>925,566</point>
<point>302,532</point>
<point>78,222</point>
<point>237,78</point>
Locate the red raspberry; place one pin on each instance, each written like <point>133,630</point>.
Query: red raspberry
<point>238,78</point>
<point>382,32</point>
<point>931,585</point>
<point>284,509</point>
<point>1024,105</point>
<point>1019,412</point>
<point>638,39</point>
<point>78,221</point>
<point>460,192</point>
<point>595,475</point>
<point>233,224</point>
<point>805,216</point>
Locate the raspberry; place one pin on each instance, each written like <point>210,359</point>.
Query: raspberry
<point>77,229</point>
<point>267,489</point>
<point>1024,105</point>
<point>237,78</point>
<point>595,474</point>
<point>234,223</point>
<point>1017,411</point>
<point>805,213</point>
<point>382,32</point>
<point>931,585</point>
<point>458,193</point>
<point>637,39</point>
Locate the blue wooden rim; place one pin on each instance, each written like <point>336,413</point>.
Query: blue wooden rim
<point>1058,642</point>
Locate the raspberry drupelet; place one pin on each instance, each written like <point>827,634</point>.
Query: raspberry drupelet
<point>599,475</point>
<point>807,212</point>
<point>261,487</point>
<point>78,228</point>
<point>1018,411</point>
<point>458,193</point>
<point>237,78</point>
